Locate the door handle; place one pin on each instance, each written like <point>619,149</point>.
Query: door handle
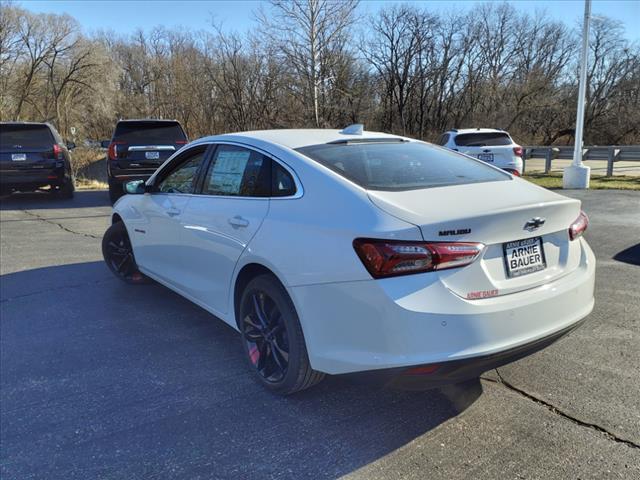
<point>173,212</point>
<point>238,221</point>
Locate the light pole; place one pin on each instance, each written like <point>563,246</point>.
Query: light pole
<point>577,174</point>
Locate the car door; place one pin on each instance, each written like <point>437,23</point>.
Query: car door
<point>158,236</point>
<point>220,222</point>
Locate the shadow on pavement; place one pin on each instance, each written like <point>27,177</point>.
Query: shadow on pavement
<point>44,200</point>
<point>103,379</point>
<point>629,255</point>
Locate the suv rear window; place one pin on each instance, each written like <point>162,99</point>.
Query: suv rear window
<point>149,133</point>
<point>401,166</point>
<point>27,136</point>
<point>483,139</point>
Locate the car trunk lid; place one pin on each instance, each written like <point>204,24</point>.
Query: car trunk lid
<point>147,143</point>
<point>495,214</point>
<point>497,154</point>
<point>144,156</point>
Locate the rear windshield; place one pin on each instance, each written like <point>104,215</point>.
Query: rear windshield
<point>25,136</point>
<point>484,139</point>
<point>401,166</point>
<point>149,133</point>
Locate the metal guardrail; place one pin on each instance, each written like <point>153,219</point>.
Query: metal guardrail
<point>610,153</point>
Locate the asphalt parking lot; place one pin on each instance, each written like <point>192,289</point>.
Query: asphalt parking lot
<point>103,380</point>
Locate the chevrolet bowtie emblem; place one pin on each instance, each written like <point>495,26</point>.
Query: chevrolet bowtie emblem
<point>534,223</point>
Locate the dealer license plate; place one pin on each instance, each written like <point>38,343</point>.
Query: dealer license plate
<point>524,256</point>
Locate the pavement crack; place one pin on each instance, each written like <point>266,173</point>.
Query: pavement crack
<point>59,225</point>
<point>555,410</point>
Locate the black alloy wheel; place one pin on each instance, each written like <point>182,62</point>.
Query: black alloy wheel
<point>118,254</point>
<point>266,337</point>
<point>272,337</point>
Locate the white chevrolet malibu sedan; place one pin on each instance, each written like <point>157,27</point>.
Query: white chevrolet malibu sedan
<point>353,252</point>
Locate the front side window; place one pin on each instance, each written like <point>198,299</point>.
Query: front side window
<point>397,166</point>
<point>182,179</point>
<point>238,172</point>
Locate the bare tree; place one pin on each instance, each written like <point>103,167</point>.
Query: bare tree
<point>311,34</point>
<point>414,72</point>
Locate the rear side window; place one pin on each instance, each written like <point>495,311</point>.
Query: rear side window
<point>443,139</point>
<point>149,133</point>
<point>401,166</point>
<point>483,139</point>
<point>282,184</point>
<point>25,136</point>
<point>238,171</point>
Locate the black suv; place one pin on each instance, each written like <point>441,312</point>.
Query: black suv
<point>138,148</point>
<point>32,156</point>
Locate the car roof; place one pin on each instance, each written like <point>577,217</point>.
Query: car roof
<point>26,123</point>
<point>298,138</point>
<point>125,120</point>
<point>459,131</point>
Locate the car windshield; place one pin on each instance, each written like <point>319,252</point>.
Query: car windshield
<point>25,136</point>
<point>483,139</point>
<point>398,166</point>
<point>149,133</point>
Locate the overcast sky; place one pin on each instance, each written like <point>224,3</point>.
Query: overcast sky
<point>125,16</point>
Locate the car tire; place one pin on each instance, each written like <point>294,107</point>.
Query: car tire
<point>66,190</point>
<point>272,337</point>
<point>118,255</point>
<point>115,192</point>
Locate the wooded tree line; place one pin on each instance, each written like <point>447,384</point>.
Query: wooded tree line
<point>307,63</point>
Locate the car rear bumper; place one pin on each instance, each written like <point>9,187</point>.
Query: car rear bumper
<point>427,376</point>
<point>514,164</point>
<point>31,177</point>
<point>409,321</point>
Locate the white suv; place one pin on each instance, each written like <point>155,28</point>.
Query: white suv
<point>491,145</point>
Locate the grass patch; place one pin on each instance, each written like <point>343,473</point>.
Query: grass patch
<point>82,158</point>
<point>90,184</point>
<point>597,182</point>
<point>90,169</point>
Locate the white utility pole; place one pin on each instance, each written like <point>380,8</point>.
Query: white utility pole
<point>577,175</point>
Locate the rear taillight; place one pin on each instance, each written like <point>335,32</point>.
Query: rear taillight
<point>577,228</point>
<point>57,151</point>
<point>388,258</point>
<point>180,142</point>
<point>517,151</point>
<point>112,151</point>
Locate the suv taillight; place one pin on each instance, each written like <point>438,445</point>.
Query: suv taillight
<point>180,142</point>
<point>577,228</point>
<point>389,258</point>
<point>57,151</point>
<point>517,151</point>
<point>112,151</point>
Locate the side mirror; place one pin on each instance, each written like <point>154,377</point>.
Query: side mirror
<point>71,145</point>
<point>135,187</point>
<point>105,143</point>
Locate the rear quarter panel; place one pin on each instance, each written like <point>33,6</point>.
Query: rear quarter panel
<point>309,240</point>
